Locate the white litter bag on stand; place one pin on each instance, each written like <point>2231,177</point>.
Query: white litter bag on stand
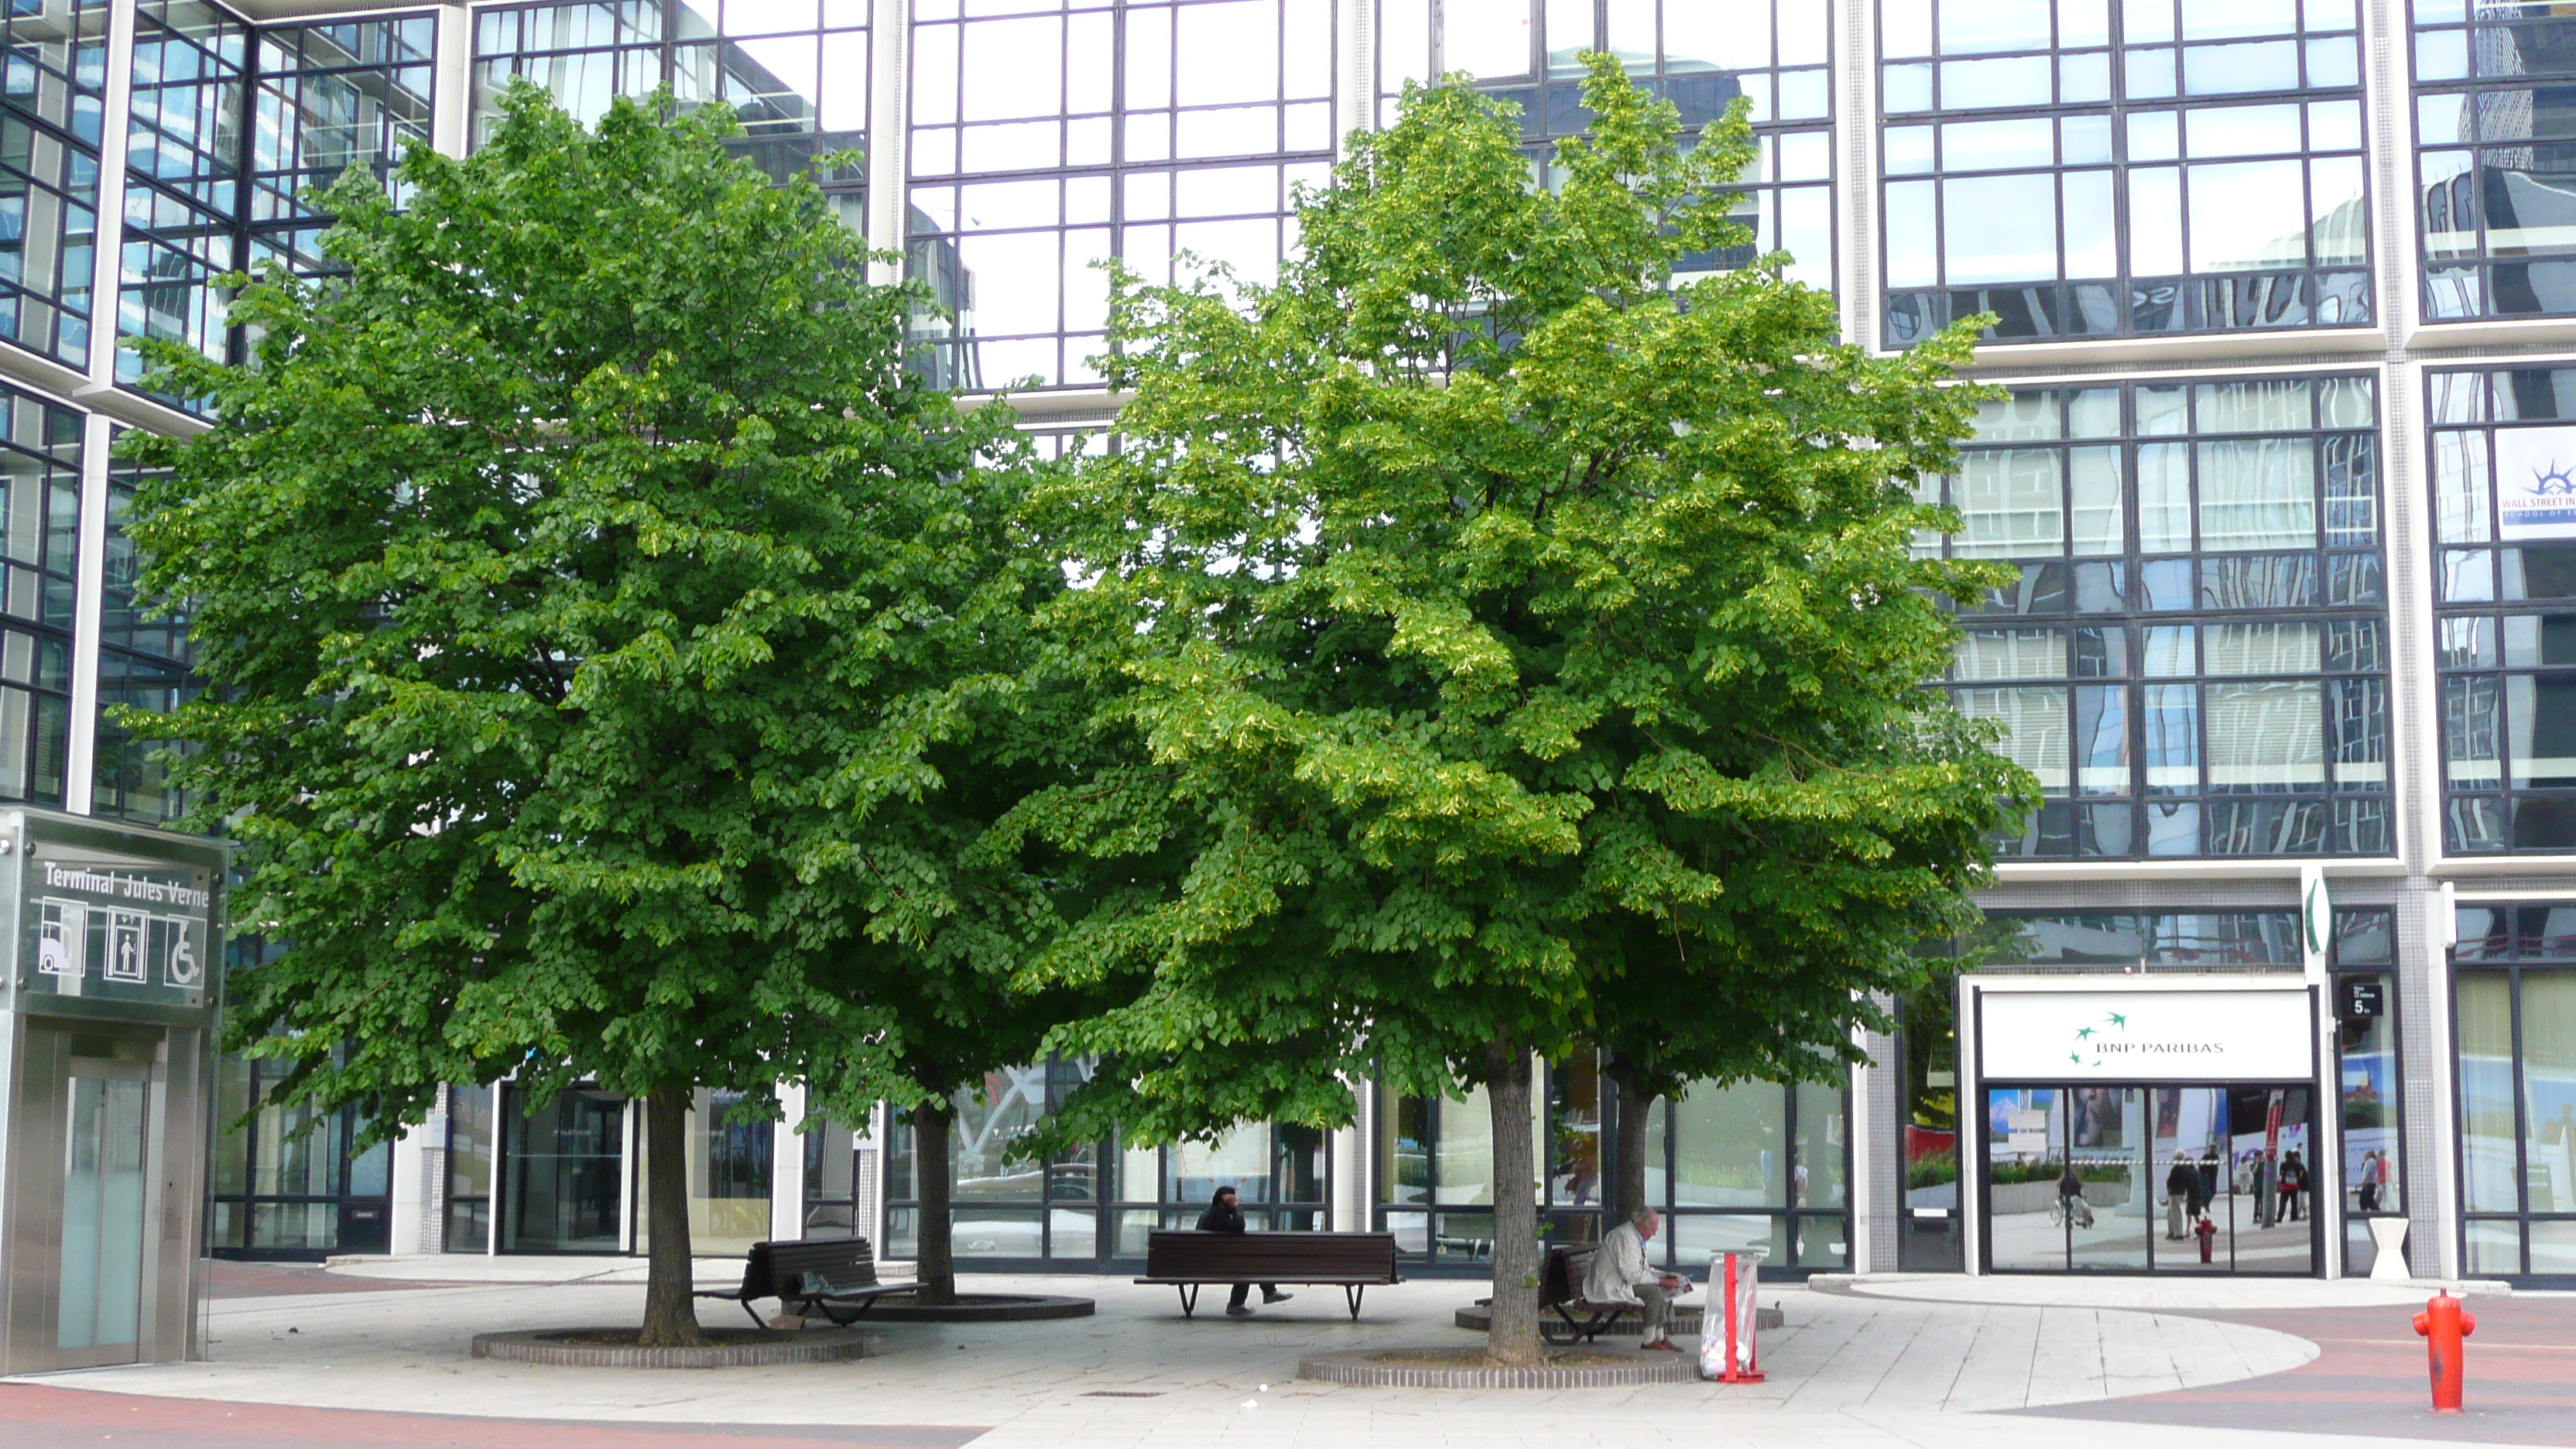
<point>1726,1325</point>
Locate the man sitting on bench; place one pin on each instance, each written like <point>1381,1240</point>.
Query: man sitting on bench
<point>1223,1216</point>
<point>1619,1275</point>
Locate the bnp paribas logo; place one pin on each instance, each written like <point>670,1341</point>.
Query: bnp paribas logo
<point>2087,1049</point>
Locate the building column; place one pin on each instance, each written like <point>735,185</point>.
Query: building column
<point>787,1166</point>
<point>451,120</point>
<point>889,121</point>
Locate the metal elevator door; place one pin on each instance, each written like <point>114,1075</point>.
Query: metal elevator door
<point>99,1302</point>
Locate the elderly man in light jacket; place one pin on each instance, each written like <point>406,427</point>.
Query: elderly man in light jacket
<point>1619,1274</point>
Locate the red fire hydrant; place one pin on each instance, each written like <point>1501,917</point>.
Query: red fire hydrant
<point>2443,1325</point>
<point>2207,1232</point>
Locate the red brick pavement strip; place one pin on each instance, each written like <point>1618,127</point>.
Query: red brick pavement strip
<point>226,1278</point>
<point>38,1417</point>
<point>2369,1378</point>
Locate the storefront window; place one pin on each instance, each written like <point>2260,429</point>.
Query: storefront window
<point>2372,1105</point>
<point>564,1166</point>
<point>729,1172</point>
<point>289,1185</point>
<point>1007,1205</point>
<point>2515,1004</point>
<point>831,1180</point>
<point>469,1169</point>
<point>1928,1236</point>
<point>1752,1166</point>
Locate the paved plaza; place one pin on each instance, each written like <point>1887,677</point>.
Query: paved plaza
<point>376,1353</point>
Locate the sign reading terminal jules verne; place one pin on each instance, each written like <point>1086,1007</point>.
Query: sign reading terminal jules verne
<point>2151,1036</point>
<point>110,926</point>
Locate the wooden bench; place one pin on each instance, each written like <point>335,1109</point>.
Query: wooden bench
<point>834,1275</point>
<point>1354,1262</point>
<point>1560,1291</point>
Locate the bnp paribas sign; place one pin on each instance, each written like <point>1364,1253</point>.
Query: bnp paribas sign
<point>2251,1035</point>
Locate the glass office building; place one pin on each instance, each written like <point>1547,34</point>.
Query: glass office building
<point>2285,297</point>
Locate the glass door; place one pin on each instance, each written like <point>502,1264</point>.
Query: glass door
<point>2194,1187</point>
<point>99,1309</point>
<point>2066,1180</point>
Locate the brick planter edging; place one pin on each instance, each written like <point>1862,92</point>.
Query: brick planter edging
<point>1477,1318</point>
<point>1362,1367</point>
<point>546,1346</point>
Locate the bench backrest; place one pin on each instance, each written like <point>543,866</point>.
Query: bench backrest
<point>833,1264</point>
<point>1560,1279</point>
<point>1270,1257</point>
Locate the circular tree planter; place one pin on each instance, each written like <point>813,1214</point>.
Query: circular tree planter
<point>1449,1368</point>
<point>981,1308</point>
<point>724,1348</point>
<point>1684,1320</point>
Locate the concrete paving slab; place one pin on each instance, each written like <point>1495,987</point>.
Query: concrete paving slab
<point>2151,1294</point>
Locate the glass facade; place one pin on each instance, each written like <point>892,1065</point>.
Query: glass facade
<point>293,1184</point>
<point>2493,88</point>
<point>2369,1077</point>
<point>2516,1007</point>
<point>2174,166</point>
<point>1752,1165</point>
<point>52,107</point>
<point>2200,660</point>
<point>1774,54</point>
<point>794,71</point>
<point>184,164</point>
<point>1098,1200</point>
<point>2194,661</point>
<point>2506,573</point>
<point>329,97</point>
<point>1049,137</point>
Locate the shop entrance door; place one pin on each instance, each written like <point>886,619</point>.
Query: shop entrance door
<point>2123,1179</point>
<point>99,1302</point>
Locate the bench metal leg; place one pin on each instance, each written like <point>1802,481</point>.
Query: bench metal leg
<point>1352,1293</point>
<point>1189,1298</point>
<point>754,1314</point>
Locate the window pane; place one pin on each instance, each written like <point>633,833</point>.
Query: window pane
<point>1466,1166</point>
<point>2542,709</point>
<point>2035,729</point>
<point>2247,216</point>
<point>1821,1148</point>
<point>2486,1092</point>
<point>1728,1151</point>
<point>2549,1098</point>
<point>2258,493</point>
<point>2011,504</point>
<point>2266,736</point>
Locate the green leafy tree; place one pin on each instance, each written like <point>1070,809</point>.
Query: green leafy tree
<point>1531,646</point>
<point>595,614</point>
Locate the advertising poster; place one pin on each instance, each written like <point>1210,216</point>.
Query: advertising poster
<point>2535,482</point>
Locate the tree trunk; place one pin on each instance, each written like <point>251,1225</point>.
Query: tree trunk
<point>1628,1151</point>
<point>935,1260</point>
<point>1512,1339</point>
<point>670,1313</point>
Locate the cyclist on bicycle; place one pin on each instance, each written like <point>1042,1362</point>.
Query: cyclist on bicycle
<point>2070,1198</point>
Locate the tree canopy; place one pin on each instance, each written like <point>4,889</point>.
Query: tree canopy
<point>613,654</point>
<point>1521,621</point>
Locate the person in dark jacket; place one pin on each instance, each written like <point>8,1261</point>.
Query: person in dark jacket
<point>2182,1185</point>
<point>1222,1216</point>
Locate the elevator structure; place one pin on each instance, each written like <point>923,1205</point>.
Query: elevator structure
<point>112,976</point>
